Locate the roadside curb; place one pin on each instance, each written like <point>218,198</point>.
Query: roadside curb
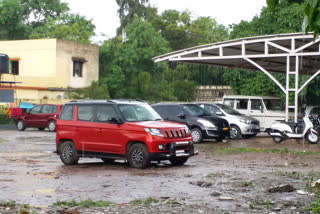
<point>6,127</point>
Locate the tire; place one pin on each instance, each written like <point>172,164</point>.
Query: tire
<point>40,129</point>
<point>234,132</point>
<point>21,125</point>
<point>277,139</point>
<point>312,138</point>
<point>107,160</point>
<point>196,135</point>
<point>178,161</point>
<point>138,156</point>
<point>52,126</point>
<point>68,153</point>
<point>247,136</point>
<point>219,139</point>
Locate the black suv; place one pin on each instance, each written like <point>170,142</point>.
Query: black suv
<point>202,124</point>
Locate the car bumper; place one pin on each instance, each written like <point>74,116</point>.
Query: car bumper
<point>213,133</point>
<point>250,129</point>
<point>175,150</point>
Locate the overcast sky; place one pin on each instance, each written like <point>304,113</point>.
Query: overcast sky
<point>105,17</point>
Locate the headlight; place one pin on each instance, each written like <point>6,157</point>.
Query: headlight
<point>206,124</point>
<point>154,132</point>
<point>187,129</point>
<point>246,121</point>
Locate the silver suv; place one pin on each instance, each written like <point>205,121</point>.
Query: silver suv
<point>240,124</point>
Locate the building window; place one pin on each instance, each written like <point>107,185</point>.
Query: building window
<point>14,67</point>
<point>78,66</point>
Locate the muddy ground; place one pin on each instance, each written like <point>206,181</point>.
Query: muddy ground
<point>215,181</point>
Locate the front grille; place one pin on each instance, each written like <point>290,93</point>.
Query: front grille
<point>175,133</point>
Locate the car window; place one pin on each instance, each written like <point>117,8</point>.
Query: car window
<point>67,113</point>
<point>135,113</point>
<point>54,109</point>
<point>229,102</point>
<point>242,104</point>
<point>85,113</point>
<point>46,109</point>
<point>256,104</point>
<point>161,110</point>
<point>211,109</point>
<point>105,113</point>
<point>173,111</point>
<point>36,110</point>
<point>195,110</point>
<point>228,109</point>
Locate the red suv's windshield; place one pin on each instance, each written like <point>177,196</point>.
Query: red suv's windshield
<point>136,113</point>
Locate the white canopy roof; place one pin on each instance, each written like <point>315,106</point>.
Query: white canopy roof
<point>291,54</point>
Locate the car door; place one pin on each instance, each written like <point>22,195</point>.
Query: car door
<point>176,114</point>
<point>109,137</point>
<point>85,127</point>
<point>33,117</point>
<point>46,113</point>
<point>257,110</point>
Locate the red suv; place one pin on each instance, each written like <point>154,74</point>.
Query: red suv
<point>120,129</point>
<point>40,116</point>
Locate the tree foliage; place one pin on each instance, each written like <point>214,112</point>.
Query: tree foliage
<point>311,12</point>
<point>69,27</point>
<point>23,19</point>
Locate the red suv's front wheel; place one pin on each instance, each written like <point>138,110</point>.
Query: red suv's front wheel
<point>138,156</point>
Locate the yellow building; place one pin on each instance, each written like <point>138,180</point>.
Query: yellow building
<point>49,68</point>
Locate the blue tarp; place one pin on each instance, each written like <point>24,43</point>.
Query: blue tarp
<point>25,105</point>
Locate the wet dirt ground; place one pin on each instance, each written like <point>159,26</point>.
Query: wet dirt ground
<point>215,181</point>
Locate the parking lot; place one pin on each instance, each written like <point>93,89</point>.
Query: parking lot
<point>230,176</point>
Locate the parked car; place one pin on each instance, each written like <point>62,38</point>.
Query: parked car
<point>40,116</point>
<point>263,108</point>
<point>120,129</point>
<point>240,124</point>
<point>202,124</point>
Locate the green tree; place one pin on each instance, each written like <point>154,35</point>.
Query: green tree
<point>68,26</point>
<point>12,20</point>
<point>286,18</point>
<point>23,19</point>
<point>128,10</point>
<point>311,12</point>
<point>127,64</point>
<point>38,11</point>
<point>181,31</point>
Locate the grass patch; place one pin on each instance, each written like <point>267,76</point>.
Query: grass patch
<point>7,204</point>
<point>214,175</point>
<point>146,201</point>
<point>245,183</point>
<point>293,174</point>
<point>234,150</point>
<point>85,203</point>
<point>314,206</point>
<point>267,204</point>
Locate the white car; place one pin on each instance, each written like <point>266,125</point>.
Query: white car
<point>263,108</point>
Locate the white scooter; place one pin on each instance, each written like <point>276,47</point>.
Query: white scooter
<point>281,130</point>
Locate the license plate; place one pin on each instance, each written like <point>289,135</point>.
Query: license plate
<point>182,143</point>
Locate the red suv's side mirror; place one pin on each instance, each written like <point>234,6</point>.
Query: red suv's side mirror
<point>116,120</point>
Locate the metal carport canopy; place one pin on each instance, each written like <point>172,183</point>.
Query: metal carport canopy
<point>290,54</point>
